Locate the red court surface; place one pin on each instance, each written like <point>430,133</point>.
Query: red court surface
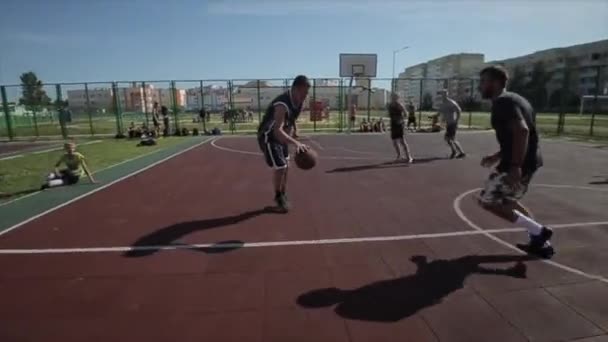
<point>370,252</point>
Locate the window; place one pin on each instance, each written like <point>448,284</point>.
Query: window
<point>595,56</point>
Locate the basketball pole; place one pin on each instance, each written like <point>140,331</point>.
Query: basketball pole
<point>349,104</point>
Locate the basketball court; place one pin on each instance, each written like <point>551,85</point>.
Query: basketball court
<point>413,257</point>
<point>184,248</point>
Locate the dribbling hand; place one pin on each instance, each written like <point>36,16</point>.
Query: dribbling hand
<point>301,148</point>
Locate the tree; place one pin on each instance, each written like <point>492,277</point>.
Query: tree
<point>33,96</point>
<point>60,104</point>
<point>427,102</point>
<point>470,104</point>
<point>517,81</point>
<point>536,88</point>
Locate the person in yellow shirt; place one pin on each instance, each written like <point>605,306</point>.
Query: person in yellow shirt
<point>75,166</point>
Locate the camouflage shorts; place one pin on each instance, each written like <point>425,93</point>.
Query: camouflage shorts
<point>497,189</point>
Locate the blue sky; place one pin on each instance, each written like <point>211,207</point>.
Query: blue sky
<point>82,40</point>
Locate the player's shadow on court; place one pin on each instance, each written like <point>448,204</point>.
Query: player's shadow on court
<point>599,182</point>
<point>394,299</point>
<point>168,236</point>
<point>386,165</point>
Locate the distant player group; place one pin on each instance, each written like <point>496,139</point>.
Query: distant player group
<point>513,120</point>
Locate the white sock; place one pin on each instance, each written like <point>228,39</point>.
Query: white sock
<point>51,176</point>
<point>55,182</point>
<point>533,227</point>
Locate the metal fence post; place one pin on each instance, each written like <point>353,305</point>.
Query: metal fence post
<point>61,112</point>
<point>471,92</point>
<point>342,102</point>
<point>314,104</point>
<point>88,104</point>
<point>145,95</point>
<point>9,124</point>
<point>230,99</point>
<point>202,93</point>
<point>117,110</point>
<point>420,105</point>
<point>175,109</point>
<point>259,102</point>
<point>561,120</point>
<point>595,102</point>
<point>369,98</point>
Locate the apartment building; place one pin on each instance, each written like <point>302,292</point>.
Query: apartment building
<point>580,60</point>
<point>440,73</point>
<point>327,91</point>
<point>100,100</point>
<point>134,98</point>
<point>214,97</point>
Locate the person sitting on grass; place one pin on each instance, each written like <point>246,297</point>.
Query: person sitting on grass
<point>132,130</point>
<point>147,139</point>
<point>435,126</point>
<point>76,165</point>
<point>375,127</point>
<point>381,125</point>
<point>365,127</point>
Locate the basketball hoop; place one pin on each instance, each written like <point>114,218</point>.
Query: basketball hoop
<point>356,66</point>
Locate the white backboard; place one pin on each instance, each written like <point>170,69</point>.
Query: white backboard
<point>358,64</point>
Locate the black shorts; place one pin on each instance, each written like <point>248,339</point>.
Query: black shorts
<point>275,153</point>
<point>68,177</point>
<point>450,131</point>
<point>155,123</point>
<point>397,131</point>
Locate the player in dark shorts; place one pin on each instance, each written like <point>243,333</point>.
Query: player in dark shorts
<point>164,111</point>
<point>411,115</point>
<point>450,112</point>
<point>353,116</point>
<point>396,113</point>
<point>276,133</point>
<point>513,119</point>
<point>156,118</point>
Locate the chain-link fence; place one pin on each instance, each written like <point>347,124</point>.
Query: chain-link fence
<point>573,102</point>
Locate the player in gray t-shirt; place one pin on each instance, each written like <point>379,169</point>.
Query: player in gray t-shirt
<point>449,112</point>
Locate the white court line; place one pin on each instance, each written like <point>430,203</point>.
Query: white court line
<point>12,157</point>
<point>181,246</point>
<point>19,155</point>
<point>489,234</point>
<point>86,194</point>
<point>355,151</point>
<point>94,173</point>
<point>562,186</point>
<point>61,147</point>
<point>228,149</point>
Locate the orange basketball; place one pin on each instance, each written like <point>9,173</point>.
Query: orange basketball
<point>306,160</point>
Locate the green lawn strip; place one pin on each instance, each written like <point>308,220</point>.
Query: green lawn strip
<point>28,172</point>
<point>18,211</point>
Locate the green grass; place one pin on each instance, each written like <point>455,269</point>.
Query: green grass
<point>575,125</point>
<point>27,172</point>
